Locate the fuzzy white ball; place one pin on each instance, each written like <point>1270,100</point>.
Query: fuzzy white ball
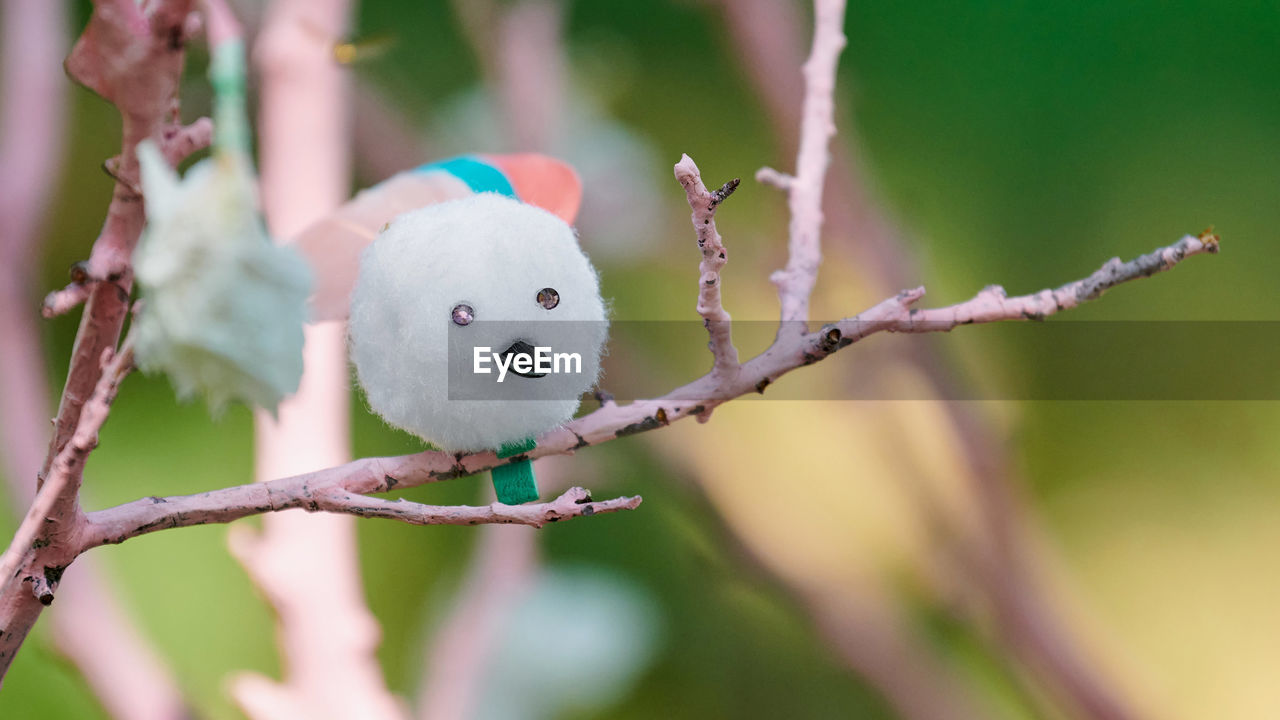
<point>224,305</point>
<point>493,256</point>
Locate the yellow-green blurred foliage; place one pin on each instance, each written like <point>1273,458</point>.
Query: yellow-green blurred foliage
<point>1020,143</point>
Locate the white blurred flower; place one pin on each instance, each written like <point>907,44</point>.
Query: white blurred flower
<point>224,305</point>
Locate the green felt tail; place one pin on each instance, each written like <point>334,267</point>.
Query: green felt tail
<point>515,483</point>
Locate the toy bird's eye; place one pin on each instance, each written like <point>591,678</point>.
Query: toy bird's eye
<point>463,314</point>
<point>548,298</point>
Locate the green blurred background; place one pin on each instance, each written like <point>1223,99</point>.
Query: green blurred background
<point>1020,143</point>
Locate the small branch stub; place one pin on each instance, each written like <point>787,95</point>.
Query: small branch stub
<point>718,196</point>
<point>776,178</point>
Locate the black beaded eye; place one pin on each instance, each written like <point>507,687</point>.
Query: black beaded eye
<point>548,298</point>
<point>463,314</point>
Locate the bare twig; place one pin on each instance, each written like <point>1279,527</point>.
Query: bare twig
<point>993,303</point>
<point>714,257</point>
<point>574,502</point>
<point>804,251</point>
<point>131,56</point>
<point>65,472</point>
<point>182,141</point>
<point>45,542</point>
<point>60,302</point>
<point>377,475</point>
<point>219,506</point>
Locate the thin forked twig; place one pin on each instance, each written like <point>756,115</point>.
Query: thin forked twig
<point>704,202</point>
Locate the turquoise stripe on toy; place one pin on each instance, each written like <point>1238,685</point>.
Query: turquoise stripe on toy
<point>479,175</point>
<point>514,483</point>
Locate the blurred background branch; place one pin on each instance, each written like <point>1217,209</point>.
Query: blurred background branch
<point>306,564</point>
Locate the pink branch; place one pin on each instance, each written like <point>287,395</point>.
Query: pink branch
<point>768,37</point>
<point>47,539</point>
<point>505,563</point>
<point>520,49</point>
<point>178,142</point>
<point>66,469</point>
<point>714,257</point>
<point>130,60</point>
<point>323,491</point>
<point>125,672</point>
<point>89,627</point>
<point>804,252</point>
<point>531,75</point>
<point>131,56</point>
<point>61,302</point>
<point>32,115</point>
<point>307,566</point>
<point>31,126</point>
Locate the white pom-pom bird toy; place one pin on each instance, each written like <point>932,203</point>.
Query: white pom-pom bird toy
<point>476,320</point>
